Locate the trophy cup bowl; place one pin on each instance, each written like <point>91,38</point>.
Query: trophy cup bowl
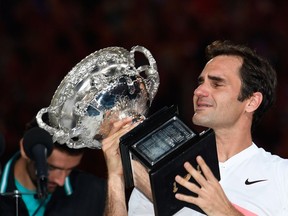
<point>104,87</point>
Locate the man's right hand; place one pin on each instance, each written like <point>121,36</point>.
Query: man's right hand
<point>110,145</point>
<point>116,200</point>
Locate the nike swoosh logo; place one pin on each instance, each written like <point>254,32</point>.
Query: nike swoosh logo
<point>247,182</point>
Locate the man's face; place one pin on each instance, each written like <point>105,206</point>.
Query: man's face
<point>215,99</point>
<point>60,165</point>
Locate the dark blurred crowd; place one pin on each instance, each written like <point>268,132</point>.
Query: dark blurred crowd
<point>41,40</point>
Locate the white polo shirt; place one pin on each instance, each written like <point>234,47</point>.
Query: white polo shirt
<point>255,181</point>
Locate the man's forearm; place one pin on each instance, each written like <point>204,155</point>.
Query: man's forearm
<point>116,200</point>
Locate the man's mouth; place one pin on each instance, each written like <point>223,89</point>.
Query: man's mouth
<point>51,186</point>
<point>200,106</point>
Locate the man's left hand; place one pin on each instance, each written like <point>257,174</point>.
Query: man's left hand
<point>211,197</point>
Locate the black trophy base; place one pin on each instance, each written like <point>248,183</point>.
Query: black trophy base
<point>163,183</point>
<point>162,143</point>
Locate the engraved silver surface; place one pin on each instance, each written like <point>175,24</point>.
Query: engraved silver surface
<point>104,87</point>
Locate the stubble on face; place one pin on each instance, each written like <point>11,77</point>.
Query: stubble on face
<point>31,170</point>
<point>216,98</point>
<point>203,120</point>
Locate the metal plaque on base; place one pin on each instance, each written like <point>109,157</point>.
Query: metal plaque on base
<point>162,143</point>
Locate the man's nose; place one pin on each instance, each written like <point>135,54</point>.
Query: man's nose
<point>60,177</point>
<point>201,90</point>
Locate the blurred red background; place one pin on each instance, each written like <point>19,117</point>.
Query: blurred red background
<point>41,40</point>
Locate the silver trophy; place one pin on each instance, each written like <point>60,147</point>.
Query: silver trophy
<point>104,87</point>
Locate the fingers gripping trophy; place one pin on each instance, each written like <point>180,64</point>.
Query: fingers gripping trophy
<point>103,87</point>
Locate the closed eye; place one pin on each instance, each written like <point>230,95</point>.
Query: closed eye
<point>216,81</point>
<point>217,84</point>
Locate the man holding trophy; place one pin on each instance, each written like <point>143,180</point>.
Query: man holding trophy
<point>103,102</point>
<point>106,91</point>
<point>236,87</point>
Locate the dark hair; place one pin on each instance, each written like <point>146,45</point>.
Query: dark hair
<point>61,147</point>
<point>256,74</point>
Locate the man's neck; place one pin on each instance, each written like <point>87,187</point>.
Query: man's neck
<point>230,143</point>
<point>21,174</point>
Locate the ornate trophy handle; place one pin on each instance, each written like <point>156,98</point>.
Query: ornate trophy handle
<point>152,81</point>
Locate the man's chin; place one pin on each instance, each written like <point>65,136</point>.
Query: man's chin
<point>200,121</point>
<point>196,120</point>
<point>51,188</point>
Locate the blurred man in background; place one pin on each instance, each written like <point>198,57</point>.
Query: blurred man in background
<point>70,191</point>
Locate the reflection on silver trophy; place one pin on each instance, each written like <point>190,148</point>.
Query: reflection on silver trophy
<point>105,86</point>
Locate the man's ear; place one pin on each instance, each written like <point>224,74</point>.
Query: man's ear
<point>254,102</point>
<point>23,154</point>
